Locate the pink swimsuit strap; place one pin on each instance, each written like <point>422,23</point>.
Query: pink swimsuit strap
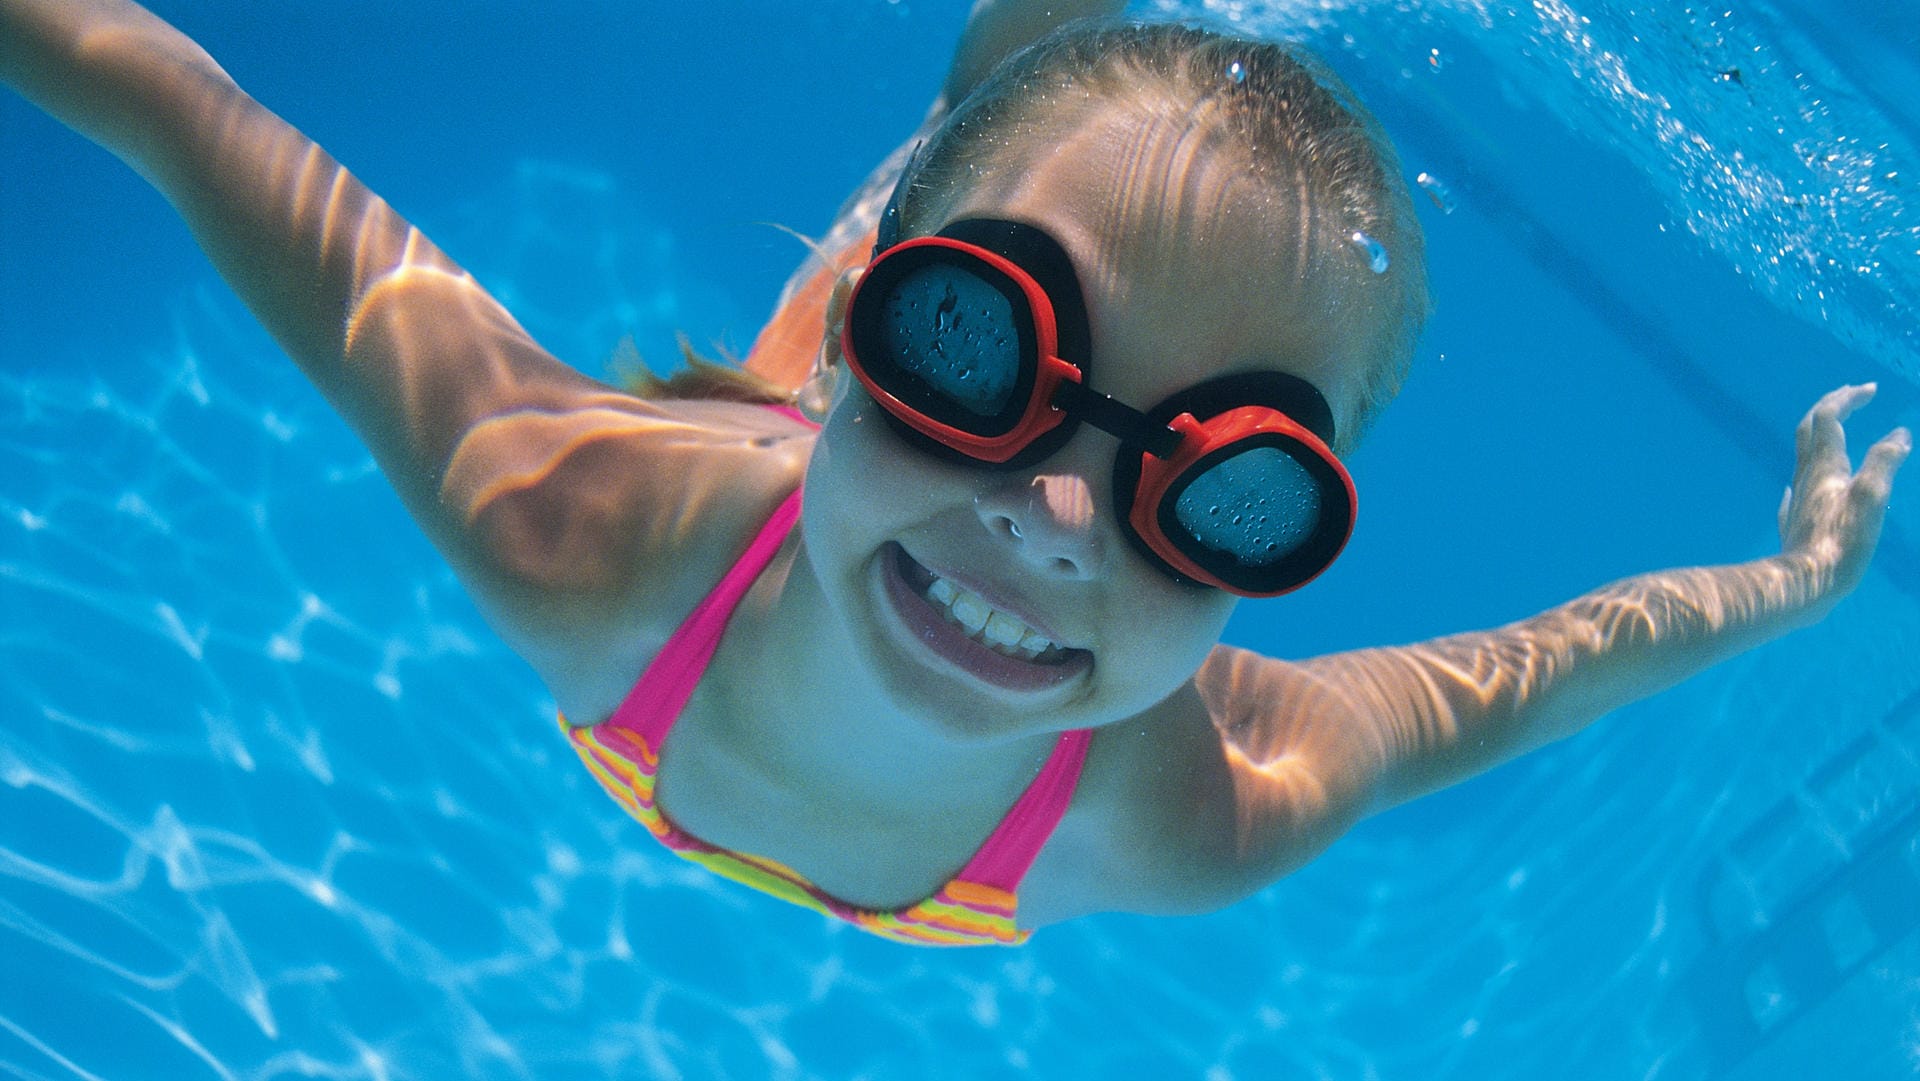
<point>1008,853</point>
<point>663,690</point>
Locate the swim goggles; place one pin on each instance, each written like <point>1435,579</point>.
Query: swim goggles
<point>975,344</point>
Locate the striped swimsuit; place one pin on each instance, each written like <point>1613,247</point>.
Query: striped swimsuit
<point>975,908</point>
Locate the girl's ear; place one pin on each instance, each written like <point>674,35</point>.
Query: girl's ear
<point>837,302</point>
<point>825,386</point>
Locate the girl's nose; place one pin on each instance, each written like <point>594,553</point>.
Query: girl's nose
<point>1049,520</point>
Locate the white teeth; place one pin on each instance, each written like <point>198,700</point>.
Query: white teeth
<point>994,629</point>
<point>1004,630</point>
<point>971,611</point>
<point>942,590</point>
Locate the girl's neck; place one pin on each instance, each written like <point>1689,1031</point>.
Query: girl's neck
<point>813,712</point>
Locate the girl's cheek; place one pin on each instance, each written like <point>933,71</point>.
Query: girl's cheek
<point>846,457</point>
<point>861,478</point>
<point>865,460</point>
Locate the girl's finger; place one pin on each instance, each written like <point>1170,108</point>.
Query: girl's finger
<point>1883,461</point>
<point>1821,440</point>
<point>1848,399</point>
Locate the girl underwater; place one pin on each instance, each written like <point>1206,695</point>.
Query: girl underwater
<point>929,595</point>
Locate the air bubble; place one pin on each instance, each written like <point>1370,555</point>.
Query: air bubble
<point>1237,72</point>
<point>1437,191</point>
<point>1375,251</point>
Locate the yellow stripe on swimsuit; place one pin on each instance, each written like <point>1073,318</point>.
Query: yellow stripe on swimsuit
<point>977,907</point>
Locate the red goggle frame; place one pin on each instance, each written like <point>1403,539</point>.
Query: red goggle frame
<point>1163,451</point>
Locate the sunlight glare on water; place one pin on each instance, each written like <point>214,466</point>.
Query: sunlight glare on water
<point>276,802</point>
<point>1754,138</point>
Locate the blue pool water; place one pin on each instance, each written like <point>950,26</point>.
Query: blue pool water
<point>274,802</point>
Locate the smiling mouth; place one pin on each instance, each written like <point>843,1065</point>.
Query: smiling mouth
<point>985,624</point>
<point>961,626</point>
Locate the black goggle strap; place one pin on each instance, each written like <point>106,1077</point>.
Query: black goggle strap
<point>1150,432</point>
<point>1123,422</point>
<point>888,233</point>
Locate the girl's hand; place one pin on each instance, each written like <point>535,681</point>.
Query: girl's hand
<point>1832,514</point>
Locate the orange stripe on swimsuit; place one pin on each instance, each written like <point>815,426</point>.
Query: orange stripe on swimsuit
<point>976,908</point>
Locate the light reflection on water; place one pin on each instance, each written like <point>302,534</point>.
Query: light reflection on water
<point>1764,140</point>
<point>273,801</point>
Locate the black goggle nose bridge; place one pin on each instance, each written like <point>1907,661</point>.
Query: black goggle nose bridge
<point>1042,259</point>
<point>1231,462</point>
<point>1125,423</point>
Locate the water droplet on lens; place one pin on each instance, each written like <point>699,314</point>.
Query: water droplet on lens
<point>1376,252</point>
<point>1437,191</point>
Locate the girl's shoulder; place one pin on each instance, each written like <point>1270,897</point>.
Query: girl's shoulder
<point>607,521</point>
<point>1236,779</point>
<point>1151,827</point>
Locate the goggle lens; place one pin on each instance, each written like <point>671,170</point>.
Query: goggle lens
<point>955,333</point>
<point>975,343</point>
<point>1254,508</point>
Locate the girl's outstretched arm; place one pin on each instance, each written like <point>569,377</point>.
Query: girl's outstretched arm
<point>1437,713</point>
<point>468,417</point>
<point>1313,746</point>
<point>403,342</point>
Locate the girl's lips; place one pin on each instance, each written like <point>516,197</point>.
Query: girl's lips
<point>904,580</point>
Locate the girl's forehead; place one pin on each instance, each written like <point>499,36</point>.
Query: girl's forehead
<point>1135,158</point>
<point>1191,262</point>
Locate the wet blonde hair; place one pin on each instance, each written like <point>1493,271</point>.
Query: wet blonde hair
<point>697,378</point>
<point>1294,120</point>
